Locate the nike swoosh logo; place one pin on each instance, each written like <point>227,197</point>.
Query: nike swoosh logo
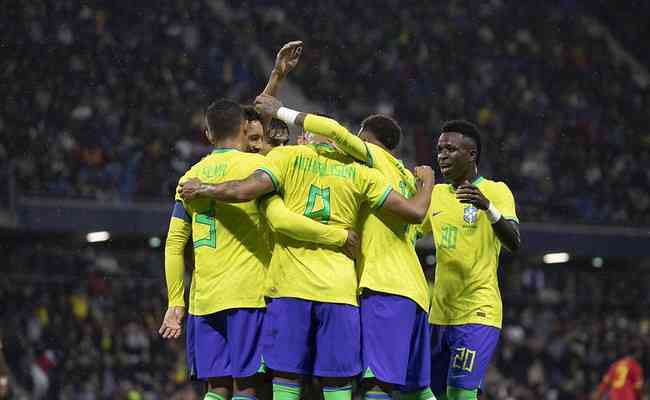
<point>433,214</point>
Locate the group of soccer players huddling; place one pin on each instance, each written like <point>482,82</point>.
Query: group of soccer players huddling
<point>305,263</point>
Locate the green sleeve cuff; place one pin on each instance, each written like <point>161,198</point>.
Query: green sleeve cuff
<point>383,197</point>
<point>276,182</point>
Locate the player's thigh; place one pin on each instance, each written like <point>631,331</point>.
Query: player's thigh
<point>387,323</point>
<point>440,357</point>
<point>418,373</point>
<point>207,346</point>
<point>244,327</point>
<point>338,340</point>
<point>288,335</point>
<point>472,347</point>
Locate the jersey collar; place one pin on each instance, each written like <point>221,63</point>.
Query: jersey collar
<point>223,150</point>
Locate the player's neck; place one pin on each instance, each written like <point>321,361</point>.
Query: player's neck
<point>469,177</point>
<point>228,144</point>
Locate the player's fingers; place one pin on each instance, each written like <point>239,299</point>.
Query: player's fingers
<point>165,334</point>
<point>176,333</point>
<point>162,329</point>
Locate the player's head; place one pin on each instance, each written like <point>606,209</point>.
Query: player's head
<point>381,130</point>
<point>278,134</point>
<point>459,150</point>
<point>224,121</point>
<point>254,131</point>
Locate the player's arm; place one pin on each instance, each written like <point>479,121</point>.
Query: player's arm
<point>256,185</point>
<point>344,139</point>
<point>285,61</point>
<point>179,232</point>
<point>500,212</point>
<point>413,210</point>
<point>298,227</point>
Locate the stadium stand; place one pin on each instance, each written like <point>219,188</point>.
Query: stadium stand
<point>115,114</point>
<point>89,319</point>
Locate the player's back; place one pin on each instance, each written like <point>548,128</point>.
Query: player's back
<point>230,250</point>
<point>328,186</point>
<point>398,270</point>
<point>625,379</point>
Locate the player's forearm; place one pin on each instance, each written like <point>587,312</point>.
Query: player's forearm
<point>299,227</point>
<point>178,234</point>
<point>229,192</point>
<point>508,233</point>
<point>343,138</point>
<point>271,89</point>
<point>413,210</point>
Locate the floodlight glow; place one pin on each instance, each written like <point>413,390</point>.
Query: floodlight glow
<point>556,258</point>
<point>100,236</point>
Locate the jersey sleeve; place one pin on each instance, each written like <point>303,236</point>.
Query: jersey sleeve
<point>296,226</point>
<point>374,186</point>
<point>504,201</point>
<point>275,165</point>
<point>180,229</point>
<point>344,139</point>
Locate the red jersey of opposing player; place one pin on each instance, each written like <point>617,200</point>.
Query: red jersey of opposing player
<point>623,381</point>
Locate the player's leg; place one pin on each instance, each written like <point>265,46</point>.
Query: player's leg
<point>288,345</point>
<point>244,328</point>
<point>337,355</point>
<point>386,327</point>
<point>472,347</point>
<point>418,375</point>
<point>440,358</point>
<point>208,358</point>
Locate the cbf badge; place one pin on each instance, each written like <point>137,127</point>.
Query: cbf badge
<point>470,214</point>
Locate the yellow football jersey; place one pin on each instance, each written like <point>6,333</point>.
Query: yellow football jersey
<point>230,247</point>
<point>466,287</point>
<point>328,186</point>
<point>388,262</point>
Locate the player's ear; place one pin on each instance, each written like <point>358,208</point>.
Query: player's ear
<point>472,155</point>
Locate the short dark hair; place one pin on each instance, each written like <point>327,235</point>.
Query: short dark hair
<point>385,129</point>
<point>250,113</point>
<point>466,129</point>
<point>278,133</point>
<point>224,118</point>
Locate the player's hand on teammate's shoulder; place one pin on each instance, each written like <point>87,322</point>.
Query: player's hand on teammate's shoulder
<point>267,105</point>
<point>352,245</point>
<point>190,189</point>
<point>288,57</point>
<point>172,325</point>
<point>470,194</point>
<point>424,175</point>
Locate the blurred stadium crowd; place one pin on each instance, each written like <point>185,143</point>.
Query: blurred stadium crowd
<point>87,327</point>
<point>109,101</point>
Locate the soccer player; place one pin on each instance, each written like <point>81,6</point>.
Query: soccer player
<point>231,257</point>
<point>395,297</point>
<point>313,321</point>
<point>623,380</point>
<point>471,218</point>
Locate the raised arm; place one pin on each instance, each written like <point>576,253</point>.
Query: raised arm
<point>413,210</point>
<point>257,184</point>
<point>285,61</point>
<point>344,139</point>
<point>179,232</point>
<point>298,227</point>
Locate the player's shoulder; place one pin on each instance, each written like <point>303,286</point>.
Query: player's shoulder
<point>489,185</point>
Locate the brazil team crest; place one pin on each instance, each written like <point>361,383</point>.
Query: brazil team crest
<point>470,214</point>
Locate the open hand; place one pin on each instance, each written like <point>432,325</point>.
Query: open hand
<point>172,325</point>
<point>267,105</point>
<point>288,57</point>
<point>470,194</point>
